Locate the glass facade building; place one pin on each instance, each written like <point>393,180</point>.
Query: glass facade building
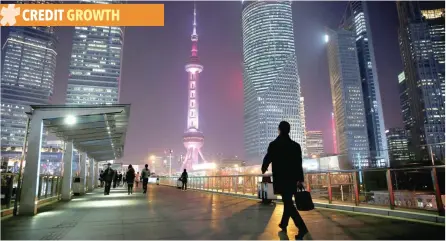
<point>315,143</point>
<point>357,20</point>
<point>398,147</point>
<point>421,39</point>
<point>303,127</point>
<point>95,66</point>
<point>271,81</point>
<point>27,78</point>
<point>347,99</point>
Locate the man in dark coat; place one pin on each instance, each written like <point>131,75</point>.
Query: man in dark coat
<point>286,158</point>
<point>109,174</point>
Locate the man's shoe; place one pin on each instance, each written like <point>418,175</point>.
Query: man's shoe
<point>301,234</point>
<point>283,228</point>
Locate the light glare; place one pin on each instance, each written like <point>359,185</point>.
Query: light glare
<point>70,120</point>
<point>326,38</point>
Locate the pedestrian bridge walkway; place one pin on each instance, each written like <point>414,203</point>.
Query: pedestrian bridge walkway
<point>168,213</point>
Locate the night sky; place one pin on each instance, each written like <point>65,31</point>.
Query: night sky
<point>155,83</point>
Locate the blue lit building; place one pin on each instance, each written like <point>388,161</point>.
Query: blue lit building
<point>356,19</point>
<point>27,78</point>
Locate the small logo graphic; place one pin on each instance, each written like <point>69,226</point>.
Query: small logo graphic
<point>8,15</point>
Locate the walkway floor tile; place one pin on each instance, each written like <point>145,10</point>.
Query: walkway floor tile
<point>170,214</point>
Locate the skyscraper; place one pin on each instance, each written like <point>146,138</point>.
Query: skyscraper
<point>357,20</point>
<point>398,147</point>
<point>347,98</point>
<point>271,81</point>
<point>421,36</point>
<point>193,139</point>
<point>315,143</point>
<point>28,73</point>
<point>95,66</point>
<point>303,128</point>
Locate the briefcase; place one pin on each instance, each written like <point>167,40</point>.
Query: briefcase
<point>303,200</point>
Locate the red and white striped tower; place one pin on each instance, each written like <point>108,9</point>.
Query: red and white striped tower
<point>193,139</point>
<point>333,129</point>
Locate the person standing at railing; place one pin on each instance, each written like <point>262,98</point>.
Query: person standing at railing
<point>285,155</point>
<point>130,178</point>
<point>184,178</point>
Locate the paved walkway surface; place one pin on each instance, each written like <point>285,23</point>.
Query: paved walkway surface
<point>168,213</point>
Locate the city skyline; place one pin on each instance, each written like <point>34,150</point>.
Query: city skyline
<point>225,45</point>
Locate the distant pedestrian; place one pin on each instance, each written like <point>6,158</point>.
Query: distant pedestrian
<point>184,178</point>
<point>137,179</point>
<point>108,178</point>
<point>115,178</point>
<point>101,178</point>
<point>130,178</point>
<point>119,178</point>
<point>145,178</point>
<point>286,158</point>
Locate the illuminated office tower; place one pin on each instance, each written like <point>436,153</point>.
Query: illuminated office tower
<point>347,98</point>
<point>398,147</point>
<point>357,20</point>
<point>303,127</point>
<point>315,144</point>
<point>95,66</point>
<point>28,71</point>
<point>421,36</point>
<point>271,81</point>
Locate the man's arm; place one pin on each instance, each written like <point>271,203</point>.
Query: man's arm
<point>300,171</point>
<point>266,160</point>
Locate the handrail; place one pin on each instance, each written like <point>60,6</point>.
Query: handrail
<point>332,171</point>
<point>351,187</point>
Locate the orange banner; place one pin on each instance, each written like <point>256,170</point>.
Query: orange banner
<point>82,14</point>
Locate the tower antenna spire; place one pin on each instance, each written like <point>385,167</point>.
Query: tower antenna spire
<point>194,33</point>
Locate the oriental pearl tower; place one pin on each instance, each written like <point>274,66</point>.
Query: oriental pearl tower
<point>193,138</point>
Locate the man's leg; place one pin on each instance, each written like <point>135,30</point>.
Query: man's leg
<point>287,209</point>
<point>145,182</point>
<point>185,186</point>
<point>298,221</point>
<point>105,188</point>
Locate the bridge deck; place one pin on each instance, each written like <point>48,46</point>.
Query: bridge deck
<point>168,213</point>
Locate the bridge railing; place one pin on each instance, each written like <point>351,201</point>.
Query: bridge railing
<point>49,187</point>
<point>411,189</point>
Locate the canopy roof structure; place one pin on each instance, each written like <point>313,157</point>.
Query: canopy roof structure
<point>97,130</point>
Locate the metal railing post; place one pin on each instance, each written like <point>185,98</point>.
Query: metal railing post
<point>390,189</point>
<point>330,193</point>
<point>10,185</point>
<point>52,186</point>
<point>236,184</point>
<point>244,185</point>
<point>39,193</point>
<point>356,187</point>
<point>437,190</point>
<point>46,187</point>
<point>308,186</point>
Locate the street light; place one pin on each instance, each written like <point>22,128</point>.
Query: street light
<point>170,162</point>
<point>70,120</point>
